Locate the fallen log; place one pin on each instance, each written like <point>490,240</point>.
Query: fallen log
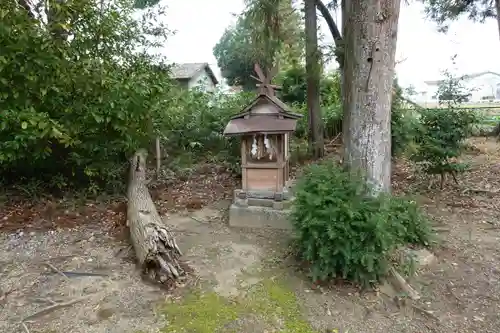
<point>155,247</point>
<point>400,284</point>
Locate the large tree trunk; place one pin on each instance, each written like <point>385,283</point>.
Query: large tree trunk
<point>497,5</point>
<point>370,47</point>
<point>345,110</point>
<point>155,247</point>
<point>316,139</point>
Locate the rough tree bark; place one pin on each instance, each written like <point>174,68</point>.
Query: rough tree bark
<point>155,247</point>
<point>316,139</point>
<point>497,5</point>
<point>370,47</point>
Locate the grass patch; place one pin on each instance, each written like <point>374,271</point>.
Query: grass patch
<point>269,303</point>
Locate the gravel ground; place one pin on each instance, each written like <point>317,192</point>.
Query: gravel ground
<point>117,301</point>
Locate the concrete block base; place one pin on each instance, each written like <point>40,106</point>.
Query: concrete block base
<point>258,217</point>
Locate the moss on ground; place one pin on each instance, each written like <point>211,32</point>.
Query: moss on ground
<point>268,302</point>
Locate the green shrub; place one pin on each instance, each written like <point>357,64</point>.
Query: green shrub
<point>440,139</point>
<point>403,124</point>
<point>411,226</point>
<point>197,123</point>
<point>342,232</point>
<point>74,112</point>
<point>442,132</point>
<point>294,86</point>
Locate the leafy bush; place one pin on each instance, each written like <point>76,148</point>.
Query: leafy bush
<point>342,232</point>
<point>77,108</point>
<point>442,132</point>
<point>441,139</point>
<point>403,130</point>
<point>294,86</point>
<point>196,124</point>
<point>293,92</point>
<point>412,227</point>
<point>403,124</point>
<point>332,120</point>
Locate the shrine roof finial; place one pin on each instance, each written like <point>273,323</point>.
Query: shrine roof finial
<point>264,85</point>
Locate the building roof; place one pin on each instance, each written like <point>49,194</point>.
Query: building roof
<point>465,77</point>
<point>260,124</point>
<point>285,109</point>
<point>265,122</point>
<point>187,71</point>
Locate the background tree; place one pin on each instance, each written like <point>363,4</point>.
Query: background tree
<point>293,84</point>
<point>444,11</point>
<point>236,56</point>
<point>264,35</point>
<point>75,108</point>
<point>268,20</point>
<point>316,139</point>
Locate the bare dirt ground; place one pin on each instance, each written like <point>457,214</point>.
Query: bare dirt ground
<point>249,283</point>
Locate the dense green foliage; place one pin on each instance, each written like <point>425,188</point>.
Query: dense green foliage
<point>440,139</point>
<point>76,108</point>
<point>293,86</point>
<point>444,11</point>
<point>236,58</point>
<point>195,127</point>
<point>293,92</point>
<point>262,34</point>
<point>341,232</point>
<point>441,133</point>
<point>403,124</point>
<point>73,110</point>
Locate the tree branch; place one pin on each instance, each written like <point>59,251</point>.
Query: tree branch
<point>27,7</point>
<point>332,26</point>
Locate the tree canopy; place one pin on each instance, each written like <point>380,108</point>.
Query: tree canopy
<point>444,11</point>
<point>263,34</point>
<point>235,56</point>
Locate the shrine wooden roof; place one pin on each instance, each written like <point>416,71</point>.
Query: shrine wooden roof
<point>265,114</point>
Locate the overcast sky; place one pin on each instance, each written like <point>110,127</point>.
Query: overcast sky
<point>200,23</point>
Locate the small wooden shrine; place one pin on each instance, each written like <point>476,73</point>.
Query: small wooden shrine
<point>264,126</point>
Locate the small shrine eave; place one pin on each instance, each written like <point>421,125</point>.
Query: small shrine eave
<point>259,124</point>
<point>285,110</point>
<point>246,122</point>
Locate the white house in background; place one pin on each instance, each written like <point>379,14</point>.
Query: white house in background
<point>191,75</point>
<point>484,87</point>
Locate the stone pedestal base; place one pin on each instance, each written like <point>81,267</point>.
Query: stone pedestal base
<point>258,217</point>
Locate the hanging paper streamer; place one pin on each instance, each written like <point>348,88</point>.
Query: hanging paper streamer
<point>254,146</point>
<point>268,147</point>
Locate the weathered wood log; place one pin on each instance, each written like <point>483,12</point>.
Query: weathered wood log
<point>401,285</point>
<point>154,245</point>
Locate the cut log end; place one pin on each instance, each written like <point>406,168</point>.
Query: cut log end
<point>155,247</point>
